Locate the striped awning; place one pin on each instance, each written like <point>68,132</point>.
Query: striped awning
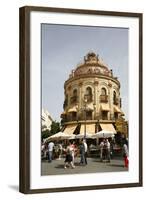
<point>108,127</point>
<point>105,106</point>
<point>116,109</point>
<point>70,129</point>
<point>90,131</point>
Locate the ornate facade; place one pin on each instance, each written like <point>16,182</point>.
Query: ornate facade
<point>92,98</point>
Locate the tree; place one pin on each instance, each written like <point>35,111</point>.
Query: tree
<point>55,127</point>
<point>45,134</point>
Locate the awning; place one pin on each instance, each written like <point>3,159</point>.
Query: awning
<point>116,109</point>
<point>108,127</point>
<point>90,106</point>
<point>90,131</point>
<point>73,109</point>
<point>70,129</point>
<point>104,106</point>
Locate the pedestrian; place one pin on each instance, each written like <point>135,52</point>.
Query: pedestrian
<point>125,154</point>
<point>101,150</point>
<point>73,151</point>
<point>50,151</point>
<point>69,157</point>
<point>60,148</point>
<point>108,150</point>
<point>86,149</point>
<point>104,152</point>
<point>83,152</point>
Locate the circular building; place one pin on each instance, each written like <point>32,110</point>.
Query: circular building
<point>92,99</point>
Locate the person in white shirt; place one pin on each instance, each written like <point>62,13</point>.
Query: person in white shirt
<point>101,150</point>
<point>85,150</point>
<point>108,150</point>
<point>50,151</point>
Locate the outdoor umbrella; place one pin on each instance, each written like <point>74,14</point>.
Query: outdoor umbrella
<point>88,135</point>
<point>105,133</point>
<point>59,135</point>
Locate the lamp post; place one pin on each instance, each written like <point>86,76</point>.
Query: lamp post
<point>98,122</point>
<point>85,108</point>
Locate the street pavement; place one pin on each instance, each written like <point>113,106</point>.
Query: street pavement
<point>56,167</point>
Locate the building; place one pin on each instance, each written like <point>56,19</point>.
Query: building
<point>92,98</point>
<point>46,120</point>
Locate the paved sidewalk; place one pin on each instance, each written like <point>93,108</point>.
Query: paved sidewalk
<point>56,167</point>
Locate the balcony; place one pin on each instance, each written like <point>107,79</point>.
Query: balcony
<point>73,99</point>
<point>88,97</point>
<point>116,101</point>
<point>103,98</point>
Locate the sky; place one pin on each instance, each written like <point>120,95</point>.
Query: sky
<point>64,46</point>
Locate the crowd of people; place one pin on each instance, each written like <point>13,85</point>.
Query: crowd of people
<point>70,150</point>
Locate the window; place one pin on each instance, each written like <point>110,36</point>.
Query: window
<point>116,115</point>
<point>88,94</point>
<point>104,115</point>
<point>74,97</point>
<point>89,115</point>
<point>103,91</point>
<point>115,99</point>
<point>74,116</point>
<point>65,102</point>
<point>75,92</point>
<point>103,96</point>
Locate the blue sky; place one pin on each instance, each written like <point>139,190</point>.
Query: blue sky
<point>64,46</point>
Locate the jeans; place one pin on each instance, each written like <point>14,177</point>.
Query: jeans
<point>50,156</point>
<point>83,158</point>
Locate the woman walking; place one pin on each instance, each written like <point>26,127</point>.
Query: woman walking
<point>125,154</point>
<point>69,157</point>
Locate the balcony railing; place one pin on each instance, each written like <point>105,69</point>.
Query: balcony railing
<point>88,97</point>
<point>73,99</point>
<point>103,98</point>
<point>116,101</point>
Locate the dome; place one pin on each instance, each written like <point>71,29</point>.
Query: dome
<point>92,65</point>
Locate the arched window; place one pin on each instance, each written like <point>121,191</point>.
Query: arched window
<point>103,96</point>
<point>114,97</point>
<point>75,92</point>
<point>65,101</point>
<point>88,95</point>
<point>88,91</point>
<point>74,97</point>
<point>103,91</point>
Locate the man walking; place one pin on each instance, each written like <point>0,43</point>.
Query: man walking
<point>50,151</point>
<point>83,152</point>
<point>86,149</point>
<point>101,150</point>
<point>108,151</point>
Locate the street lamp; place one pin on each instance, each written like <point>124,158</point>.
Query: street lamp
<point>85,108</point>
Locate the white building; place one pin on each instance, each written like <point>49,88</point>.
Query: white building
<point>46,120</point>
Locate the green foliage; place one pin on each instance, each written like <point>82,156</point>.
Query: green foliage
<point>45,134</point>
<point>55,127</point>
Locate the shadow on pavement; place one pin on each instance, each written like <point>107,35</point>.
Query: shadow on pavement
<point>59,166</point>
<point>115,165</point>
